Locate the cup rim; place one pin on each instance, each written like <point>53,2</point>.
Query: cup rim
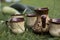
<point>17,20</point>
<point>42,9</point>
<point>56,21</point>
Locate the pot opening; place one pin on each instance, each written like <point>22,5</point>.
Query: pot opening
<point>17,20</point>
<point>42,11</point>
<point>56,21</point>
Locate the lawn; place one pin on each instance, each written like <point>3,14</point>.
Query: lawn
<point>54,12</point>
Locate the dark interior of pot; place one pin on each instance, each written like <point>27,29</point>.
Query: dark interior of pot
<point>17,20</point>
<point>56,21</point>
<point>42,11</point>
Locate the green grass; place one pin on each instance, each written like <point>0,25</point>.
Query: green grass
<point>54,12</point>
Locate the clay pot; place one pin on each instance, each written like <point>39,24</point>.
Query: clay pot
<point>16,24</point>
<point>42,23</point>
<point>55,27</point>
<point>31,19</point>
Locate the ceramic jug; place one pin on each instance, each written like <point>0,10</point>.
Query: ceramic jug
<point>42,23</point>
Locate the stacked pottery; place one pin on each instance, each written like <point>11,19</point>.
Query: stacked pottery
<point>31,19</point>
<point>16,24</point>
<point>42,22</point>
<point>55,27</point>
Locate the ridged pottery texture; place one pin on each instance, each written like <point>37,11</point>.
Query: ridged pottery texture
<point>16,24</point>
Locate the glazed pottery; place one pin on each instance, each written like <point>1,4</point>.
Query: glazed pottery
<point>42,23</point>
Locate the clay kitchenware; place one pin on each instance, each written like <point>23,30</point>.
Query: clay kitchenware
<point>16,24</point>
<point>55,27</point>
<point>31,19</point>
<point>42,23</point>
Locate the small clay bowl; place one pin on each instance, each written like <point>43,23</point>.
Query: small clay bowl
<point>31,19</point>
<point>55,27</point>
<point>17,23</point>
